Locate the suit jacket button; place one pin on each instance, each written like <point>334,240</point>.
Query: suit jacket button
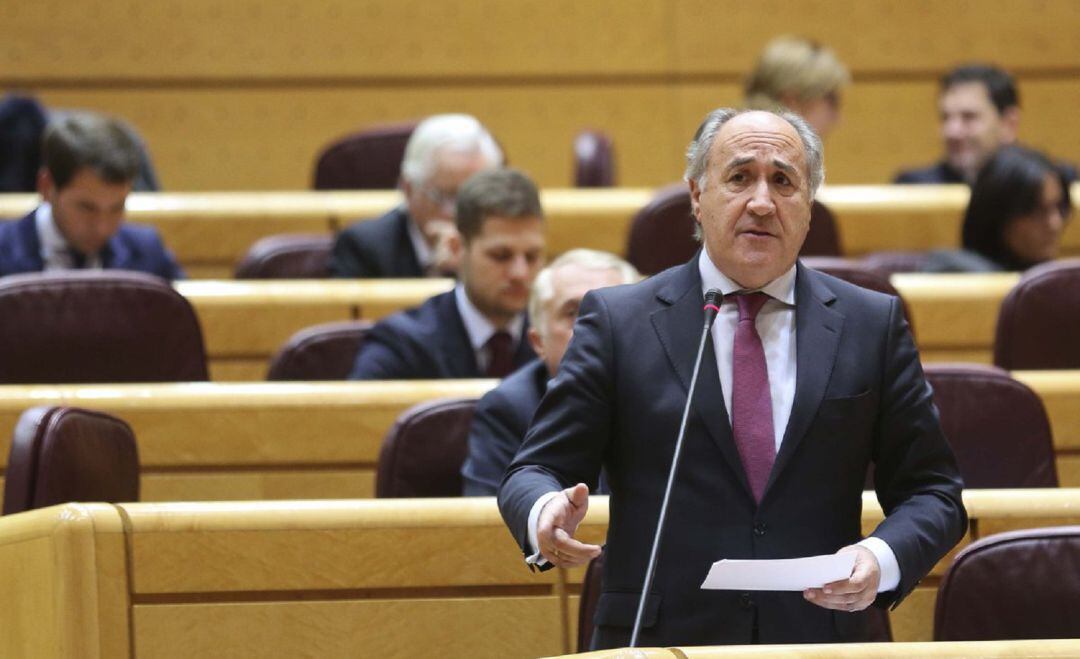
<point>760,528</point>
<point>746,602</point>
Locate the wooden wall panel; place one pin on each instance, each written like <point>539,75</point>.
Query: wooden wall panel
<point>881,36</point>
<point>242,95</point>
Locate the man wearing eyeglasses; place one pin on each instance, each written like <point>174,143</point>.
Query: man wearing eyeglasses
<point>418,238</point>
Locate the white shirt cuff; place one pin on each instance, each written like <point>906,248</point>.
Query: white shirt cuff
<point>536,558</point>
<point>890,569</point>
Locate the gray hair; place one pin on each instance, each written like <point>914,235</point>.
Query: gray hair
<point>457,132</point>
<point>543,288</point>
<point>697,154</point>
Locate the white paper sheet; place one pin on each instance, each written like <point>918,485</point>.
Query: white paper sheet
<point>780,574</point>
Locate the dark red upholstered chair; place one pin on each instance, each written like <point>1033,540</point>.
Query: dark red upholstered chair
<point>61,454</point>
<point>1039,321</point>
<point>97,326</point>
<point>661,233</point>
<point>856,273</point>
<point>997,426</point>
<point>423,452</point>
<point>320,352</point>
<point>367,160</point>
<point>287,256</point>
<point>594,160</point>
<point>1008,586</point>
<point>891,262</point>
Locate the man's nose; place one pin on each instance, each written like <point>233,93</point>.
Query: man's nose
<point>952,128</point>
<point>519,267</point>
<point>761,201</point>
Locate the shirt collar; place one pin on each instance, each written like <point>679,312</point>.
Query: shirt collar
<point>477,326</point>
<point>419,243</point>
<point>782,288</point>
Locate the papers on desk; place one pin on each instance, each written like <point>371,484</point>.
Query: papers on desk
<point>780,574</point>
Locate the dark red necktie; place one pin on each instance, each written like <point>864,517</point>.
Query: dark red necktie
<point>751,402</point>
<point>500,354</point>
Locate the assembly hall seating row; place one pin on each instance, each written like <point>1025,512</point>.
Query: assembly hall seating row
<point>436,577</point>
<point>211,232</point>
<point>245,322</point>
<point>211,441</point>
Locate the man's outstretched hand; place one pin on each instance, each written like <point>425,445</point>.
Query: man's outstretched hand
<point>555,528</point>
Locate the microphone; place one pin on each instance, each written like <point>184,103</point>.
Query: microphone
<point>713,299</point>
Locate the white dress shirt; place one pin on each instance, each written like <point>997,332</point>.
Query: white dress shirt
<point>480,329</point>
<point>420,245</point>
<point>775,324</point>
<point>55,251</point>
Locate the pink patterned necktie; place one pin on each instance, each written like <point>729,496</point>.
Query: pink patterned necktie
<point>751,402</point>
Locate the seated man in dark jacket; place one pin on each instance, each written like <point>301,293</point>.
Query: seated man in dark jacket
<point>502,416</point>
<point>89,164</point>
<point>417,239</point>
<point>477,329</point>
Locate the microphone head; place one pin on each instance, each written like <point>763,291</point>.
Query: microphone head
<point>713,299</point>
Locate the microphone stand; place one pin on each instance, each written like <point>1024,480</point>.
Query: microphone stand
<point>712,306</point>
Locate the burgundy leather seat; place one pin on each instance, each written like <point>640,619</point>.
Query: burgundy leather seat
<point>1039,321</point>
<point>320,352</point>
<point>997,426</point>
<point>856,273</point>
<point>661,233</point>
<point>287,256</point>
<point>61,454</point>
<point>367,160</point>
<point>423,452</point>
<point>97,326</point>
<point>594,160</point>
<point>1017,585</point>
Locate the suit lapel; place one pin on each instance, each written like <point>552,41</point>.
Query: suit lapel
<point>817,338</point>
<point>450,334</point>
<point>678,325</point>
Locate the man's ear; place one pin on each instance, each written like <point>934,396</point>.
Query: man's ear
<point>695,197</point>
<point>1010,124</point>
<point>536,341</point>
<point>46,186</point>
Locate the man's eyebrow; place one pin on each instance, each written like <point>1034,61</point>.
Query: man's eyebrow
<point>783,166</point>
<point>739,162</point>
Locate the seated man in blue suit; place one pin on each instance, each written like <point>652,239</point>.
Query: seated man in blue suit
<point>478,329</point>
<point>417,239</point>
<point>502,416</point>
<point>89,163</point>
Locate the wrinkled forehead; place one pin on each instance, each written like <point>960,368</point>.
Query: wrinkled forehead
<point>755,134</point>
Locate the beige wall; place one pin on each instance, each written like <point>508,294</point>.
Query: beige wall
<point>242,95</point>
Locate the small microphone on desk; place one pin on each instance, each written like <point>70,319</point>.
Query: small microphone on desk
<point>713,299</point>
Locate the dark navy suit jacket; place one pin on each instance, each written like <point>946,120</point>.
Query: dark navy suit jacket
<point>425,343</point>
<point>498,427</point>
<point>133,247</point>
<point>378,248</point>
<point>616,403</point>
<point>941,172</point>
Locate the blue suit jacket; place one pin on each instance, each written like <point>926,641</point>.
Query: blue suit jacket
<point>498,427</point>
<point>133,247</point>
<point>860,398</point>
<point>371,249</point>
<point>425,343</point>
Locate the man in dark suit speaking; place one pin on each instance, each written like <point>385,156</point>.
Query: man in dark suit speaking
<point>806,382</point>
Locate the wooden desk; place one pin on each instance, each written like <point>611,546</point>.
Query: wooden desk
<point>245,322</point>
<point>344,578</point>
<point>209,232</point>
<point>212,441</point>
